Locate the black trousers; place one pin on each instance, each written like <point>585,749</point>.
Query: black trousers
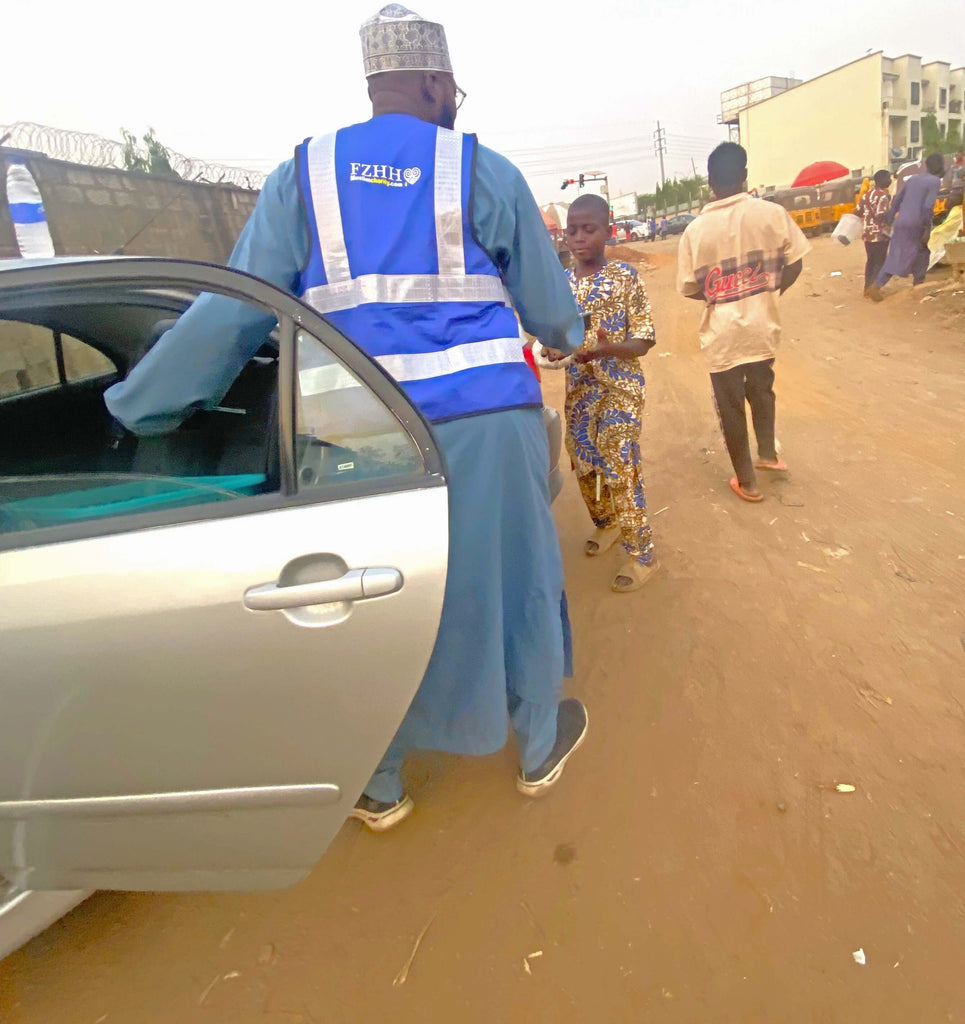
<point>876,253</point>
<point>753,383</point>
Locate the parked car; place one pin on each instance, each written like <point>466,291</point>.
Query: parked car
<point>210,637</point>
<point>639,231</point>
<point>622,231</point>
<point>678,224</point>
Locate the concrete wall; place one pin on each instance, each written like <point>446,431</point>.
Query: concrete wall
<point>836,116</point>
<point>98,211</point>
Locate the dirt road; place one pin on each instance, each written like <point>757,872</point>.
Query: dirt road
<point>696,863</point>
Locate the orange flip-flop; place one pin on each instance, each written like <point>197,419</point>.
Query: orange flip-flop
<point>777,466</point>
<point>741,493</point>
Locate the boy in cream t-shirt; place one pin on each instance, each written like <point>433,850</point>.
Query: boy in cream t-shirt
<point>736,258</point>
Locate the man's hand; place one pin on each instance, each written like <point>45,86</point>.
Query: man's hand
<point>554,355</point>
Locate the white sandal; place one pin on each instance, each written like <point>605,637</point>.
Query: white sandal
<point>637,574</point>
<point>602,540</point>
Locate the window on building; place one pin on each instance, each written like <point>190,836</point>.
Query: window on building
<point>915,131</point>
<point>915,93</point>
<point>943,98</point>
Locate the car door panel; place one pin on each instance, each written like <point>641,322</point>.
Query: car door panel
<point>157,733</point>
<point>167,720</point>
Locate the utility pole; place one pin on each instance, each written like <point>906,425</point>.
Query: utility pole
<point>660,147</point>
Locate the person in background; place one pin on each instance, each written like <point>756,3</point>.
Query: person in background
<point>651,229</point>
<point>912,212</point>
<point>361,243</point>
<point>736,257</point>
<point>872,208</point>
<point>605,392</point>
<point>663,228</point>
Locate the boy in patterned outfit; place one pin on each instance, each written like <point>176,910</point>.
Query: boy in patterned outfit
<point>605,393</point>
<point>873,209</point>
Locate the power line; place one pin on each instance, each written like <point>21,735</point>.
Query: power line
<point>629,150</point>
<point>609,157</point>
<point>595,146</point>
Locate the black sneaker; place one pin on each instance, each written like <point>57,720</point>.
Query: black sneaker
<point>571,724</point>
<point>379,816</point>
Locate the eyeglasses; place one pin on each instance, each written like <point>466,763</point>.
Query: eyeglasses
<point>460,97</point>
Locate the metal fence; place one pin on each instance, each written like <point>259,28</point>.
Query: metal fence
<point>94,151</point>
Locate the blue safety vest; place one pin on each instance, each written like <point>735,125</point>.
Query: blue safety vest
<point>395,266</point>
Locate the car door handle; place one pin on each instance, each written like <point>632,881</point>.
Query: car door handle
<point>355,585</point>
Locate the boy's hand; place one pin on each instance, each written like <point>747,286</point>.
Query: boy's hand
<point>554,355</point>
<point>632,348</point>
<point>586,355</point>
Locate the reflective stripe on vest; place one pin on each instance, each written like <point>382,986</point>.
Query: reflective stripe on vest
<point>418,365</point>
<point>451,284</point>
<point>404,288</point>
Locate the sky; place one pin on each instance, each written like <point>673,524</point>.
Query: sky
<point>560,88</point>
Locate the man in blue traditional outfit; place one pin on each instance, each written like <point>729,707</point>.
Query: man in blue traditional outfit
<point>402,221</point>
<point>912,211</point>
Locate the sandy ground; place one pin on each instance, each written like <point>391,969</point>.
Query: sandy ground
<point>696,863</point>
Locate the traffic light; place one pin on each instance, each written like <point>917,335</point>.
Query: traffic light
<point>581,181</point>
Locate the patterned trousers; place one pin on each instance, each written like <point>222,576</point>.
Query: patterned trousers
<point>602,439</point>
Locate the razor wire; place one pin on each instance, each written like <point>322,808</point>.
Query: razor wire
<point>95,151</point>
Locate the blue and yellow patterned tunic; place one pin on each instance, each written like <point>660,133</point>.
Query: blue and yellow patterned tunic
<point>604,406</point>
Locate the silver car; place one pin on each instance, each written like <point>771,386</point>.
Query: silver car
<point>208,638</point>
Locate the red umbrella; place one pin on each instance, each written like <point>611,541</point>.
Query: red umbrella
<point>819,173</point>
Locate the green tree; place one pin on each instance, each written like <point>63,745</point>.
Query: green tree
<point>934,140</point>
<point>686,191</point>
<point>153,159</point>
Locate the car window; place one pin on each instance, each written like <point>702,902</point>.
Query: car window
<point>27,358</point>
<point>342,430</point>
<point>65,461</point>
<point>33,357</point>
<point>66,464</point>
<point>82,361</point>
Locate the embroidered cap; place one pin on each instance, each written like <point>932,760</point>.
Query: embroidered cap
<point>398,39</point>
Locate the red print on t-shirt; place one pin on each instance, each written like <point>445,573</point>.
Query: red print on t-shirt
<point>746,280</point>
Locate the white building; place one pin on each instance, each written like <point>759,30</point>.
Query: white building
<point>865,115</point>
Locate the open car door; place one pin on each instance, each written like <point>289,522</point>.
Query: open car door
<point>208,639</point>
